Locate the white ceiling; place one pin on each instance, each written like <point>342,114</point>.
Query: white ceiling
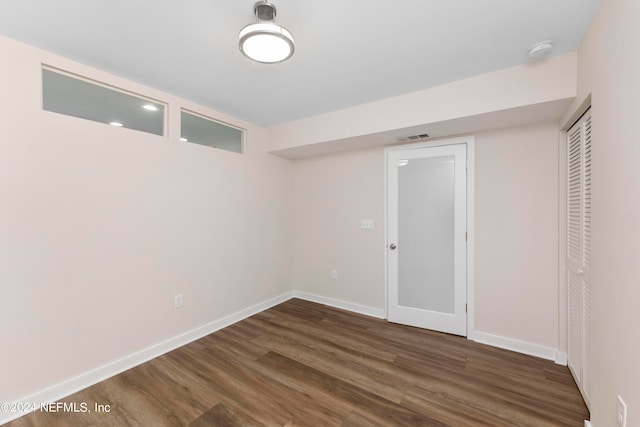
<point>376,48</point>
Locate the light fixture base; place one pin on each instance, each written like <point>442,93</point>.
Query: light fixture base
<point>265,11</point>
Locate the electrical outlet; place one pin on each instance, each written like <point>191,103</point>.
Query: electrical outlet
<point>621,413</point>
<point>178,301</point>
<point>334,274</point>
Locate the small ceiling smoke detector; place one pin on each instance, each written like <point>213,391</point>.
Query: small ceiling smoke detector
<point>541,49</point>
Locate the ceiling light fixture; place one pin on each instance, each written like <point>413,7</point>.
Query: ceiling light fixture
<point>265,41</point>
<point>116,124</point>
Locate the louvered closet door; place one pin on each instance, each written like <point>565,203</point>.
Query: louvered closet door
<point>586,260</point>
<point>574,249</point>
<point>579,251</point>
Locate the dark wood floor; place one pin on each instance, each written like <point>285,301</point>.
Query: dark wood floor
<point>304,364</point>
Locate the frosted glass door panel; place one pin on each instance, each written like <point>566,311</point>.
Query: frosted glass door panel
<point>426,196</point>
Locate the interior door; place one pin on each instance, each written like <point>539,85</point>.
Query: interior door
<point>426,237</point>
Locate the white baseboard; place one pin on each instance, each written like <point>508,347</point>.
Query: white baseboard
<point>345,305</point>
<point>87,379</point>
<point>561,358</point>
<point>517,346</point>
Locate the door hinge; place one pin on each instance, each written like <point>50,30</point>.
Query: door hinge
<point>466,308</point>
<point>466,236</point>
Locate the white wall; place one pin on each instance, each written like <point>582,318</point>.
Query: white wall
<point>516,265</point>
<point>332,194</point>
<point>516,281</point>
<point>479,98</point>
<point>609,71</point>
<point>100,227</point>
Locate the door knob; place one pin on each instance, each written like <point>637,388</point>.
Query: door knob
<point>392,246</point>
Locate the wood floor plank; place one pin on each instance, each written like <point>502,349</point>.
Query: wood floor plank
<point>222,416</point>
<point>457,406</point>
<point>237,387</point>
<point>350,369</point>
<point>291,402</point>
<point>240,344</point>
<point>168,382</point>
<point>338,335</point>
<point>538,404</point>
<point>305,364</point>
<point>380,410</point>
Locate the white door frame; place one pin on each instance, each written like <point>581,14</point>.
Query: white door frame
<point>470,142</point>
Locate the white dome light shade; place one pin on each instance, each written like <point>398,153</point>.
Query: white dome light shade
<point>266,42</point>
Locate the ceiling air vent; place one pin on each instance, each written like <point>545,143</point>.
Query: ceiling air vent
<point>413,137</point>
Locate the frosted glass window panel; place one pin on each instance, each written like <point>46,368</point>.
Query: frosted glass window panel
<point>204,131</point>
<point>426,234</point>
<point>74,96</point>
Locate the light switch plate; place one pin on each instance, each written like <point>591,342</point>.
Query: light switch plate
<point>366,224</point>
